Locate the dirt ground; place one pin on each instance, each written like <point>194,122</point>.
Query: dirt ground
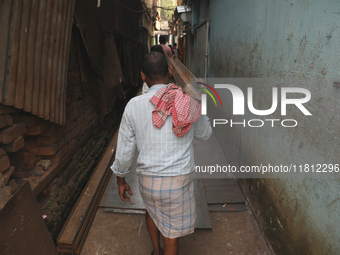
<point>126,234</point>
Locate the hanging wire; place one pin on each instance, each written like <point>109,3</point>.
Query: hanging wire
<point>164,8</point>
<point>169,8</point>
<point>129,8</point>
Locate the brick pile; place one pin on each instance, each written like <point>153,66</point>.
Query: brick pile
<point>5,192</point>
<point>11,140</point>
<point>11,134</point>
<point>5,167</point>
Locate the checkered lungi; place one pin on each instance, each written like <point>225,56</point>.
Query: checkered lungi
<point>170,201</point>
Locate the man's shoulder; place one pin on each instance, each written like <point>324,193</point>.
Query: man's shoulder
<point>138,100</point>
<point>143,100</point>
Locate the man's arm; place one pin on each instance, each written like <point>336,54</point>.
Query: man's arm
<point>126,147</point>
<point>122,187</point>
<point>202,128</point>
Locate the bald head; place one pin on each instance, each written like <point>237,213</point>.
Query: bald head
<point>155,66</point>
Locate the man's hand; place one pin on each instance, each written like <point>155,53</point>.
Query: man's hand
<point>122,188</point>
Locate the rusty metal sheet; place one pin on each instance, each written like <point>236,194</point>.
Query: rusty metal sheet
<point>110,86</point>
<point>182,77</point>
<point>43,62</point>
<point>131,61</point>
<point>29,80</point>
<point>90,30</point>
<point>37,92</point>
<point>67,43</point>
<point>61,62</point>
<point>34,46</point>
<point>101,49</point>
<point>56,54</point>
<point>5,16</point>
<point>9,85</point>
<point>23,231</point>
<point>122,18</point>
<point>49,77</point>
<point>21,76</point>
<point>38,58</point>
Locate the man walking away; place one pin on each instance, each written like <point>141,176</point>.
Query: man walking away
<point>156,48</point>
<point>161,125</point>
<point>163,41</point>
<point>175,50</point>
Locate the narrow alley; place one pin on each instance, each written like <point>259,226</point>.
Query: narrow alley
<point>231,104</point>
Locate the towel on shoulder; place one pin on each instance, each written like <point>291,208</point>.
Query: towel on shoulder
<point>171,100</point>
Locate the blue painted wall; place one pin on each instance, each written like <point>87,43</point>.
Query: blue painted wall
<point>278,38</point>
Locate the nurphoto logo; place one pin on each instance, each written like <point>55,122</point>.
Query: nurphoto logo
<point>238,104</point>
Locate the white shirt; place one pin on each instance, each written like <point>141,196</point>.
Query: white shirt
<point>161,152</point>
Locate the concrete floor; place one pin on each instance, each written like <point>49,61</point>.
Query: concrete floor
<point>126,234</point>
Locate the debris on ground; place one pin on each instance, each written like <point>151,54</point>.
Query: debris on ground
<point>44,163</point>
<point>36,172</point>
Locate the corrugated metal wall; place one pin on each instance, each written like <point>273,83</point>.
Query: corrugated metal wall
<point>122,17</point>
<point>102,51</point>
<point>34,47</point>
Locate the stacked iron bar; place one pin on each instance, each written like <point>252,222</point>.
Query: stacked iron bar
<point>182,77</point>
<point>73,235</point>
